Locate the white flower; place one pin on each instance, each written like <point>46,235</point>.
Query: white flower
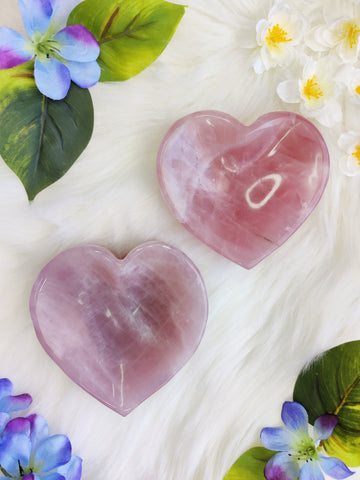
<point>316,90</point>
<point>350,77</point>
<point>349,142</point>
<point>342,34</point>
<point>277,36</point>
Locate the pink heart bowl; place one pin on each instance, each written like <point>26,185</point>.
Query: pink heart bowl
<point>242,190</point>
<point>120,329</point>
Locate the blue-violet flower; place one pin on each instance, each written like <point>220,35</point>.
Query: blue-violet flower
<point>27,452</point>
<point>299,455</point>
<point>60,56</point>
<point>10,403</point>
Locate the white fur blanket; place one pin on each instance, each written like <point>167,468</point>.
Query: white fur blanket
<point>264,324</point>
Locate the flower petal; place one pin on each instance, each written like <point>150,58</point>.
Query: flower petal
<point>349,166</point>
<point>324,427</point>
<point>317,39</point>
<point>329,115</point>
<point>14,403</point>
<point>72,469</point>
<point>295,416</point>
<point>288,91</point>
<point>52,78</point>
<point>52,453</point>
<point>311,471</point>
<point>36,15</point>
<point>18,425</point>
<point>13,52</point>
<point>4,418</point>
<point>84,74</point>
<point>348,55</point>
<point>39,430</point>
<point>14,448</point>
<point>53,476</point>
<point>30,476</point>
<point>279,439</point>
<point>334,467</point>
<point>261,29</point>
<point>61,11</point>
<point>77,44</point>
<point>281,466</point>
<point>6,386</point>
<point>348,141</point>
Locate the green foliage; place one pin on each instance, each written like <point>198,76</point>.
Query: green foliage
<point>331,384</point>
<point>41,138</point>
<point>251,465</point>
<point>131,33</point>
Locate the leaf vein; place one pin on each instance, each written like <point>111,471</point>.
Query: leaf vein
<point>57,131</point>
<point>128,31</point>
<point>346,395</point>
<point>109,23</point>
<point>23,75</point>
<point>70,110</point>
<point>44,105</point>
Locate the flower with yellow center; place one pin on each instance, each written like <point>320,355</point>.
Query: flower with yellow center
<point>351,34</point>
<point>315,90</point>
<point>315,86</point>
<point>356,154</point>
<point>350,77</point>
<point>340,32</point>
<point>312,90</point>
<point>344,35</point>
<point>278,37</point>
<point>349,143</point>
<point>275,36</point>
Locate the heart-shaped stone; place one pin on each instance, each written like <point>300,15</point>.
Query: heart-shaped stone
<point>242,190</point>
<point>120,329</point>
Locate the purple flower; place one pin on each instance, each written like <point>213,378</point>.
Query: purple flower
<point>27,452</point>
<point>60,56</point>
<point>10,403</point>
<point>299,455</point>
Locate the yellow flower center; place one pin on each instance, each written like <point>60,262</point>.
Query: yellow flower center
<point>357,89</point>
<point>351,34</point>
<point>357,153</point>
<point>312,89</point>
<point>276,35</point>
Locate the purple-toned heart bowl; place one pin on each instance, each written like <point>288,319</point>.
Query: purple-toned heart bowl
<point>242,190</point>
<point>120,329</point>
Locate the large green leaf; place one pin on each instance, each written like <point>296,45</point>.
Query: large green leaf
<point>251,465</point>
<point>131,33</point>
<point>41,138</point>
<point>331,384</point>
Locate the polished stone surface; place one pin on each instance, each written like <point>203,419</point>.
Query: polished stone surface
<point>120,328</point>
<point>242,190</point>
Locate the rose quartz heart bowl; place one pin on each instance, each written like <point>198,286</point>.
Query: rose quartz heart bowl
<point>120,328</point>
<point>242,190</point>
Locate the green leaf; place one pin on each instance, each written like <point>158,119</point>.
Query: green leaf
<point>131,33</point>
<point>331,384</point>
<point>41,138</point>
<point>251,465</point>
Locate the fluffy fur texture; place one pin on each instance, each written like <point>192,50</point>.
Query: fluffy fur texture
<point>264,325</point>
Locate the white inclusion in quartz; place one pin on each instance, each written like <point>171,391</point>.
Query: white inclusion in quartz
<point>277,182</point>
<point>230,163</point>
<point>275,148</point>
